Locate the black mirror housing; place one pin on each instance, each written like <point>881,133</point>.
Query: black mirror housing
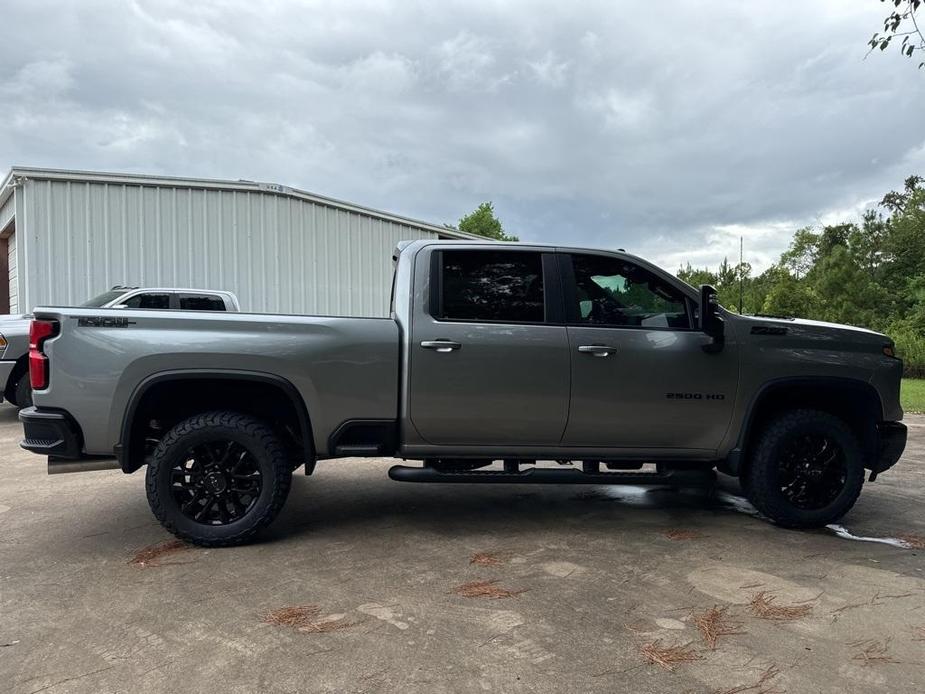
<point>711,322</point>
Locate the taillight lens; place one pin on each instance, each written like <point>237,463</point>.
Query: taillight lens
<point>39,331</point>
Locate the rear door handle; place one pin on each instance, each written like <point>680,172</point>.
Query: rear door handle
<point>597,350</point>
<point>441,345</point>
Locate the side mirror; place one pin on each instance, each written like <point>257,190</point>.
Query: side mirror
<point>119,306</point>
<point>711,322</point>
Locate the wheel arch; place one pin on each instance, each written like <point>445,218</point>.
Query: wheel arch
<point>853,400</point>
<point>264,388</point>
<point>19,370</point>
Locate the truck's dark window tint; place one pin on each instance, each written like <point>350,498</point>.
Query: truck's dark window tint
<point>201,302</point>
<point>504,286</point>
<point>614,292</point>
<point>148,301</point>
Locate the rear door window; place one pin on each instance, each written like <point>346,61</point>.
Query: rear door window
<point>201,302</point>
<point>146,300</point>
<point>491,286</point>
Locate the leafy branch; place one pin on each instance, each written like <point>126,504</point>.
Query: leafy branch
<point>900,23</point>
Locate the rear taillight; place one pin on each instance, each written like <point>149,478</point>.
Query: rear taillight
<point>39,331</point>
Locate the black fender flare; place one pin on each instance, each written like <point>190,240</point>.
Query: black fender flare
<point>738,455</point>
<point>123,448</point>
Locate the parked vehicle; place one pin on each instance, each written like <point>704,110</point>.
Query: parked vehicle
<point>514,353</point>
<point>14,329</point>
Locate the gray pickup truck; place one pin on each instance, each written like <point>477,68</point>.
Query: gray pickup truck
<point>495,357</point>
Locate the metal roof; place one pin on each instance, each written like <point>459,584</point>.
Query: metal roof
<point>27,172</point>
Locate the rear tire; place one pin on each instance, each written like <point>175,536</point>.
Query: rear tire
<point>806,471</point>
<point>217,478</point>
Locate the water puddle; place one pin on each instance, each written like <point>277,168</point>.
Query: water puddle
<point>844,533</point>
<point>662,497</point>
<point>739,504</point>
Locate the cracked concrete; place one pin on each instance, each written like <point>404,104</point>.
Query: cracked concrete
<point>602,580</point>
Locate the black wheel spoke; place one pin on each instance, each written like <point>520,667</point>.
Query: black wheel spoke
<point>812,471</point>
<point>217,483</point>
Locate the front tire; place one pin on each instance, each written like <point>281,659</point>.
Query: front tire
<point>217,478</point>
<point>806,471</point>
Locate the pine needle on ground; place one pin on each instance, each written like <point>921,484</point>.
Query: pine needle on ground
<point>486,589</point>
<point>667,657</point>
<point>762,605</point>
<point>715,623</point>
<point>305,618</point>
<point>153,554</point>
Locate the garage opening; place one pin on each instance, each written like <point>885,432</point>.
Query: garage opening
<point>7,246</point>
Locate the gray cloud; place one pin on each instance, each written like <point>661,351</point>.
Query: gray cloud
<point>667,129</point>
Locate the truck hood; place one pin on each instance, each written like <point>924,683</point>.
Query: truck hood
<point>802,327</point>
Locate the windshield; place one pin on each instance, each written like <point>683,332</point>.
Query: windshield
<point>103,298</point>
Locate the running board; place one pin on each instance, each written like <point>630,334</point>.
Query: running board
<point>536,475</point>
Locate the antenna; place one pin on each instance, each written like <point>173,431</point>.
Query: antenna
<point>741,274</point>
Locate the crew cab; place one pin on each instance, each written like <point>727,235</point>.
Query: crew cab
<point>495,358</point>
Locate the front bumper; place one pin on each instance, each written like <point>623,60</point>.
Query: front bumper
<point>891,441</point>
<point>54,433</point>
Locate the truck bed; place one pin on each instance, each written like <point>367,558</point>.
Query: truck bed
<point>344,368</point>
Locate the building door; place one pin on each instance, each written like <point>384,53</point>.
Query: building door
<point>5,245</point>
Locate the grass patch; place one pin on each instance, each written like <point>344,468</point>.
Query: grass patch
<point>912,395</point>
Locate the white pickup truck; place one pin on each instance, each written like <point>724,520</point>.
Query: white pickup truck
<point>14,329</point>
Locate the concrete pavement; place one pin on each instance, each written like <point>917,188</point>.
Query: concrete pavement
<point>612,579</point>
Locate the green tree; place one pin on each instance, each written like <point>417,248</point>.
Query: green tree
<point>483,222</point>
<point>901,23</point>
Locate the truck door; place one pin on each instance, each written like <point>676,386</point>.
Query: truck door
<point>487,364</point>
<point>640,376</point>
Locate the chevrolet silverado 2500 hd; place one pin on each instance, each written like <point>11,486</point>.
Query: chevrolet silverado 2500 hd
<point>510,353</point>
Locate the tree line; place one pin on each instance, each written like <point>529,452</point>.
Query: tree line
<point>869,273</point>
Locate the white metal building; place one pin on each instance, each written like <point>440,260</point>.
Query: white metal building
<point>66,236</point>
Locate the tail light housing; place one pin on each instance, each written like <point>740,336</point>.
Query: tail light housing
<point>39,331</point>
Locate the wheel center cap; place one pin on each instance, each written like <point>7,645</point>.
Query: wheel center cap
<point>216,483</point>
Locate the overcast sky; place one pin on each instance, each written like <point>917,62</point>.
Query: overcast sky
<point>666,128</point>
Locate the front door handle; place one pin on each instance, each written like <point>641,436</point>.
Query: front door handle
<point>597,350</point>
<point>441,345</point>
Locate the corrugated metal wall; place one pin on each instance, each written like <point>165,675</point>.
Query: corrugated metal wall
<point>6,211</point>
<point>278,253</point>
<point>13,269</point>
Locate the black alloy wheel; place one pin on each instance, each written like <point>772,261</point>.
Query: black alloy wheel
<point>812,471</point>
<point>216,482</point>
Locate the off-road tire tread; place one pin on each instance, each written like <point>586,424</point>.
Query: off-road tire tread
<point>766,498</point>
<point>262,435</point>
